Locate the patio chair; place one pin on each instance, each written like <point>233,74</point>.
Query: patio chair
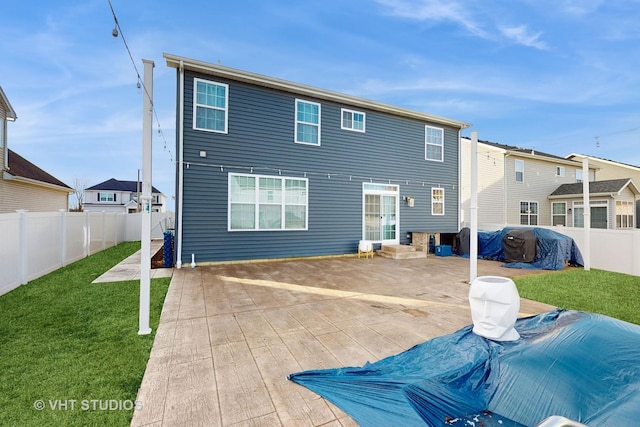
<point>365,248</point>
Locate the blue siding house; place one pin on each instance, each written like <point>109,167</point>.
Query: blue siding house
<point>268,168</point>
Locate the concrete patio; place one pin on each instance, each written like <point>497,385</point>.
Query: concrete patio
<point>230,334</point>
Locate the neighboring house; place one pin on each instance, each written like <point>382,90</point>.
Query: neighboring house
<point>269,168</point>
<point>610,169</point>
<point>120,196</point>
<point>612,204</point>
<point>514,184</point>
<point>23,185</point>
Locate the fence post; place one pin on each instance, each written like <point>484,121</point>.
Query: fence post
<point>23,246</point>
<point>63,237</point>
<point>87,233</point>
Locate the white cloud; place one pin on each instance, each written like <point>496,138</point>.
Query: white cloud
<point>520,35</point>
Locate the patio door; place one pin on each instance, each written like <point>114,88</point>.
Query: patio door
<point>380,213</point>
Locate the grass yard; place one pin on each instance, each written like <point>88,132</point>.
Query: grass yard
<point>613,294</point>
<point>70,353</point>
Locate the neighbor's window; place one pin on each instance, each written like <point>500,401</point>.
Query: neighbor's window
<point>624,214</point>
<point>519,168</point>
<point>559,213</point>
<point>528,213</point>
<point>307,122</point>
<point>559,170</point>
<point>437,201</point>
<point>210,106</point>
<point>353,120</point>
<point>106,197</point>
<point>258,202</point>
<point>433,143</point>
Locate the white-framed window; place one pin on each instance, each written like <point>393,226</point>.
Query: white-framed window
<point>353,120</point>
<point>519,169</point>
<point>624,214</point>
<point>433,143</point>
<point>599,214</point>
<point>559,170</point>
<point>307,122</point>
<point>528,213</point>
<point>437,201</point>
<point>263,202</point>
<point>106,197</point>
<point>559,213</point>
<point>579,175</point>
<point>210,105</point>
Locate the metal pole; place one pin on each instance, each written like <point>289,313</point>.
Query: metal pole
<point>587,215</point>
<point>473,238</point>
<point>145,239</point>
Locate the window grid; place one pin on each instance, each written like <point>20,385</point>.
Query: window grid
<point>307,122</point>
<point>433,143</point>
<point>437,201</point>
<point>210,106</point>
<point>624,214</point>
<point>559,213</point>
<point>353,120</point>
<point>258,202</point>
<point>528,213</point>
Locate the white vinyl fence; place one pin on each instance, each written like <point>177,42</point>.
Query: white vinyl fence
<point>37,243</point>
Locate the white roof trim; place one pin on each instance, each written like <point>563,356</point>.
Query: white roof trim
<point>11,114</point>
<point>175,61</point>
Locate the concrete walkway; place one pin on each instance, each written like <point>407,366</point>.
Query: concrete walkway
<point>129,269</point>
<point>230,334</point>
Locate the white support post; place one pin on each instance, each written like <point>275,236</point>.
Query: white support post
<point>63,237</point>
<point>145,254</point>
<point>23,246</point>
<point>473,237</point>
<point>586,253</point>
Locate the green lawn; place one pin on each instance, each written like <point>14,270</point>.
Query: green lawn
<point>73,347</point>
<point>613,294</point>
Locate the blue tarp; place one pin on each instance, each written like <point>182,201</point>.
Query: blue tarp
<point>552,249</point>
<point>583,366</point>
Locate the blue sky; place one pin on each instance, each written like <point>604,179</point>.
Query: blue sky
<point>551,75</point>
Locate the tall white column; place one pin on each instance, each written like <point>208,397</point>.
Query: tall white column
<point>586,252</point>
<point>473,238</point>
<point>145,239</point>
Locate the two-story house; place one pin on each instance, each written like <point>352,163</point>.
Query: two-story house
<point>269,168</point>
<point>113,195</point>
<point>514,185</point>
<point>23,185</point>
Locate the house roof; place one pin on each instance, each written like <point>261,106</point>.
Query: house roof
<point>572,155</point>
<point>178,62</point>
<point>607,187</point>
<point>19,167</point>
<point>525,151</point>
<point>116,185</point>
<point>11,114</point>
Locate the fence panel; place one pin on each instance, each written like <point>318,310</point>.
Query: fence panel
<point>9,252</point>
<point>76,237</point>
<point>43,239</point>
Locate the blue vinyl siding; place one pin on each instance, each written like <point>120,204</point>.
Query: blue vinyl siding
<point>260,134</point>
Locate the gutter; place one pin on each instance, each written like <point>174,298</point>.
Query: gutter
<point>301,89</point>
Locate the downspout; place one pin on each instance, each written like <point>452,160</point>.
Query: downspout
<point>180,164</point>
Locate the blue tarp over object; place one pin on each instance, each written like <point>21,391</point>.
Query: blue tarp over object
<point>552,249</point>
<point>583,366</point>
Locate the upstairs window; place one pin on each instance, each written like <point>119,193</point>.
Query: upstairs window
<point>433,143</point>
<point>579,175</point>
<point>353,120</point>
<point>210,106</point>
<point>437,201</point>
<point>519,168</point>
<point>559,170</point>
<point>307,122</point>
<point>106,197</point>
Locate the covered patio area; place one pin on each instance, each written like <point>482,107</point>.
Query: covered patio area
<point>230,334</point>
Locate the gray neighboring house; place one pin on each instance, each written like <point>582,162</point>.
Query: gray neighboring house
<point>269,168</point>
<point>114,195</point>
<point>612,204</point>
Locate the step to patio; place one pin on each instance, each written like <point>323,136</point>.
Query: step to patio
<point>400,252</point>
